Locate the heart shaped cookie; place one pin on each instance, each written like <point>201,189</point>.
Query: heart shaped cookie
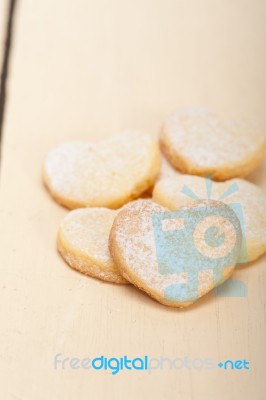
<point>181,190</point>
<point>83,243</point>
<point>198,142</point>
<point>175,257</point>
<point>105,174</point>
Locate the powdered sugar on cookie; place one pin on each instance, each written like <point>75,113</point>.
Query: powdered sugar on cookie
<point>109,173</point>
<point>199,142</point>
<point>83,243</point>
<point>133,247</point>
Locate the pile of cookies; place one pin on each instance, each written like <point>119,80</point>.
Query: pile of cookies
<point>116,187</point>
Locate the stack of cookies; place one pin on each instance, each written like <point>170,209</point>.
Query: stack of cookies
<point>161,216</point>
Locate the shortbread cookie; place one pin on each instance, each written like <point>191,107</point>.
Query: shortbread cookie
<point>161,253</point>
<point>198,142</point>
<point>105,174</point>
<point>167,170</point>
<point>176,192</point>
<point>83,243</point>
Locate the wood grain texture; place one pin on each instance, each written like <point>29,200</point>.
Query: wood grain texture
<point>87,69</point>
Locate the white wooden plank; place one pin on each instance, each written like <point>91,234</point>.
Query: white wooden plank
<point>87,69</point>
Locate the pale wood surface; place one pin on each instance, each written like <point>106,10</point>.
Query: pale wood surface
<point>86,69</point>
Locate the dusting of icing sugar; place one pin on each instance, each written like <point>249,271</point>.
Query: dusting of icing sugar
<point>168,193</point>
<point>83,242</point>
<point>203,138</point>
<point>134,238</point>
<point>97,173</point>
<point>87,230</point>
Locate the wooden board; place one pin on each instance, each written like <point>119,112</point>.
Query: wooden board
<point>87,69</point>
